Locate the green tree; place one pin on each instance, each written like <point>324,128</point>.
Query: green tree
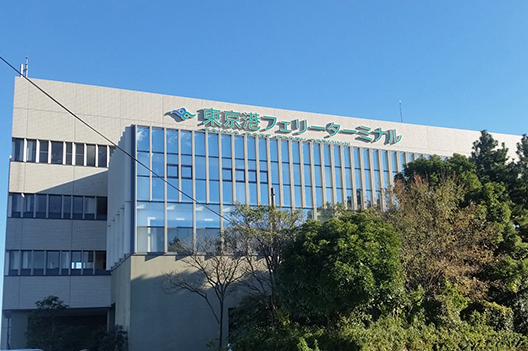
<point>490,161</point>
<point>44,325</point>
<point>260,234</point>
<point>339,266</point>
<point>444,241</point>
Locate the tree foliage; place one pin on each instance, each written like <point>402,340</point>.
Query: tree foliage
<point>260,234</point>
<point>343,264</point>
<point>445,268</point>
<point>443,240</point>
<point>49,330</point>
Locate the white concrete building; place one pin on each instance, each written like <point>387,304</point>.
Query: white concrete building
<point>100,239</point>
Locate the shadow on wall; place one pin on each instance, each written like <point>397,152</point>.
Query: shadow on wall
<point>179,321</point>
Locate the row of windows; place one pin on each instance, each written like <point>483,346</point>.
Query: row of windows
<point>215,169</point>
<point>61,153</point>
<point>57,206</point>
<point>55,262</point>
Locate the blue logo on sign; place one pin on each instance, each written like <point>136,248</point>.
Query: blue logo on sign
<point>182,113</point>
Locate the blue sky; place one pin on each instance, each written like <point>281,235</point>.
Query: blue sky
<point>452,63</point>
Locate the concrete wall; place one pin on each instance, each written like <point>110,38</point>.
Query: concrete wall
<point>156,320</point>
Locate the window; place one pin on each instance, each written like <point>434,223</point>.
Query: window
<point>90,155</point>
<point>14,262</point>
<point>18,149</point>
<point>143,138</point>
<point>79,154</point>
<point>157,140</point>
<point>52,262</point>
<point>56,152</point>
<point>77,207</point>
<point>89,207</point>
<point>27,263</point>
<point>43,151</point>
<point>16,205</point>
<point>55,206</point>
<point>100,262</point>
<point>41,206</point>
<point>76,262</point>
<point>29,204</point>
<point>67,207</point>
<point>31,150</point>
<point>102,208</point>
<point>102,158</point>
<point>38,262</point>
<point>69,154</point>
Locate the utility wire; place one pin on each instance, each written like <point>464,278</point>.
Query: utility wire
<point>113,143</point>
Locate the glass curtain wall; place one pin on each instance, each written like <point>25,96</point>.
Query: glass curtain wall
<point>218,170</point>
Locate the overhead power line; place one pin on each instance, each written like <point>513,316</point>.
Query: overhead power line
<point>111,142</point>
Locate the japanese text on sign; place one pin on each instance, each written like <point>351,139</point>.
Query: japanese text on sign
<point>253,122</point>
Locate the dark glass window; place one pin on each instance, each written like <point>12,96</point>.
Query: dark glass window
<point>14,262</point>
<point>41,206</point>
<point>69,154</point>
<point>89,207</point>
<point>38,262</point>
<point>31,150</point>
<point>102,208</point>
<point>65,262</point>
<point>52,262</point>
<point>17,205</point>
<point>29,205</point>
<point>79,154</point>
<point>88,262</point>
<point>18,149</point>
<point>90,155</point>
<point>179,239</point>
<point>43,151</point>
<point>77,207</point>
<point>56,152</point>
<point>76,262</point>
<point>102,158</point>
<point>67,207</point>
<point>100,262</point>
<point>27,262</point>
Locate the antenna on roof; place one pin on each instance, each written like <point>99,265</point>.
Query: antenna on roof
<point>24,68</point>
<point>401,114</point>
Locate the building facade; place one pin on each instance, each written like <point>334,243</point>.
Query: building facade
<point>90,224</point>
